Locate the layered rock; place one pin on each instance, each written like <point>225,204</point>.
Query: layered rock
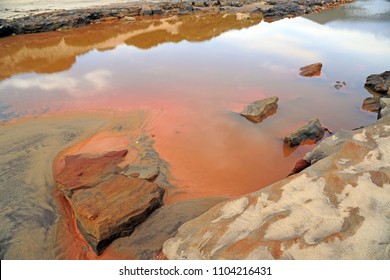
<point>313,131</point>
<point>338,208</point>
<point>379,83</point>
<point>106,204</point>
<point>311,70</point>
<point>259,110</point>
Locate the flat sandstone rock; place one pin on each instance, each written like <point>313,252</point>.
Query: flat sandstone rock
<point>106,204</point>
<point>259,110</point>
<point>113,208</point>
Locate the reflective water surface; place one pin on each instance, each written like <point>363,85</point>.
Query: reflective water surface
<point>195,74</point>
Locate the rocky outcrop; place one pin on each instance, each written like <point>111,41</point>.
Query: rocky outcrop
<point>379,83</point>
<point>106,204</point>
<point>283,9</point>
<point>338,208</point>
<point>313,131</point>
<point>311,70</point>
<point>65,19</point>
<point>259,110</point>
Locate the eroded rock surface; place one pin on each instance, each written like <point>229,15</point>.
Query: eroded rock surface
<point>338,208</point>
<point>114,208</point>
<point>311,70</point>
<point>105,203</point>
<point>379,83</point>
<point>259,110</point>
<point>313,131</point>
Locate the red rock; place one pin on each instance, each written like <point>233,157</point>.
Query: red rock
<point>114,208</point>
<point>82,171</point>
<point>299,166</point>
<point>311,70</point>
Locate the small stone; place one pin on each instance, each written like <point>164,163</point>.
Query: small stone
<point>257,111</point>
<point>312,131</point>
<point>379,83</point>
<point>371,104</point>
<point>311,70</point>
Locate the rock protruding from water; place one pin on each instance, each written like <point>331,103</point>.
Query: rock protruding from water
<point>105,203</point>
<point>325,212</point>
<point>311,70</point>
<point>114,208</point>
<point>313,131</point>
<point>379,83</point>
<point>259,110</point>
<point>372,104</point>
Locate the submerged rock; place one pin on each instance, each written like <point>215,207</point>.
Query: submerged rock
<point>325,212</point>
<point>379,83</point>
<point>311,70</point>
<point>312,131</point>
<point>340,85</point>
<point>257,111</point>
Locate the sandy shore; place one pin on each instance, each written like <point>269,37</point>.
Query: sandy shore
<point>29,215</point>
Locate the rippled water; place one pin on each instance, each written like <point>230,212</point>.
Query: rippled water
<point>196,74</point>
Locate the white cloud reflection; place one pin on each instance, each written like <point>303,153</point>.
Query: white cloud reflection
<point>89,84</point>
<point>302,39</point>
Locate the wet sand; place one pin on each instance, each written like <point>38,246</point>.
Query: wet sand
<point>29,215</point>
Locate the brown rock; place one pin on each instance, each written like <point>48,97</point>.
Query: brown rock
<point>259,110</point>
<point>114,208</point>
<point>313,131</point>
<point>83,171</point>
<point>311,70</point>
<point>379,83</point>
<point>299,166</point>
<point>372,104</point>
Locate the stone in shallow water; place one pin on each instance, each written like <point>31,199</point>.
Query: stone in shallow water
<point>313,131</point>
<point>311,70</point>
<point>371,104</point>
<point>114,208</point>
<point>259,110</point>
<point>379,83</point>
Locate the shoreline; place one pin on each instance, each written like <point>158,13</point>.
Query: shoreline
<point>57,20</point>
